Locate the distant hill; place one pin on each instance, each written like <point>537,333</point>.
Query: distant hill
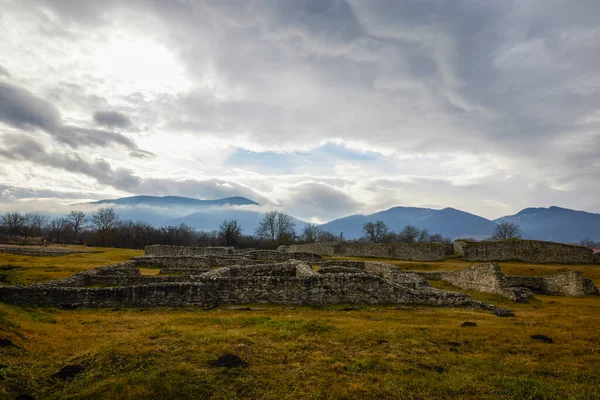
<point>176,201</point>
<point>556,224</point>
<point>552,224</point>
<point>448,222</point>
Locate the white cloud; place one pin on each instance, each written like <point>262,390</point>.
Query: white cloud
<point>486,107</point>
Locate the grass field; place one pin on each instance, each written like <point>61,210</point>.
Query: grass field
<point>300,352</point>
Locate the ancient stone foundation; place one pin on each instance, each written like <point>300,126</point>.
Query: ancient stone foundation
<point>488,278</point>
<point>162,250</point>
<point>227,277</point>
<point>290,282</point>
<point>533,251</point>
<point>38,251</point>
<point>400,251</point>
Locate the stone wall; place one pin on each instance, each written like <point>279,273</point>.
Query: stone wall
<point>310,290</point>
<point>387,271</point>
<point>488,278</point>
<point>183,271</point>
<point>282,256</point>
<point>323,248</point>
<point>210,260</point>
<point>173,261</point>
<point>162,250</point>
<point>38,251</point>
<point>524,250</point>
<point>292,282</point>
<point>400,251</point>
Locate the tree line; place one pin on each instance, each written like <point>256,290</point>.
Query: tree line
<point>105,228</point>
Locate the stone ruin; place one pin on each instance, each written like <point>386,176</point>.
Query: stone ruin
<point>533,251</point>
<point>190,277</point>
<point>488,278</point>
<point>39,251</point>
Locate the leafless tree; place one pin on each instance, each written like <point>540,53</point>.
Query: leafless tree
<point>13,222</point>
<point>77,221</point>
<point>423,236</point>
<point>39,222</point>
<point>57,227</point>
<point>30,221</point>
<point>589,243</point>
<point>375,231</point>
<point>311,233</point>
<point>105,219</point>
<point>230,231</point>
<point>276,227</point>
<point>409,234</point>
<point>506,230</point>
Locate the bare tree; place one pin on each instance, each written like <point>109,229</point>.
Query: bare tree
<point>105,219</point>
<point>77,221</point>
<point>375,231</point>
<point>328,236</point>
<point>57,227</point>
<point>409,234</point>
<point>311,233</point>
<point>423,236</point>
<point>30,221</point>
<point>276,227</point>
<point>230,231</point>
<point>13,222</point>
<point>39,222</point>
<point>437,238</point>
<point>589,243</point>
<point>506,230</point>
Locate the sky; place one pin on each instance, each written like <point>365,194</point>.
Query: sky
<point>313,107</point>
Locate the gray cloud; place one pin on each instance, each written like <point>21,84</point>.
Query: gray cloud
<point>23,110</point>
<point>318,199</point>
<point>25,148</point>
<point>512,82</point>
<point>112,119</point>
<point>4,72</point>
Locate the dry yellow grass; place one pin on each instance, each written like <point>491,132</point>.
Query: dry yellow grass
<point>15,269</point>
<point>302,352</point>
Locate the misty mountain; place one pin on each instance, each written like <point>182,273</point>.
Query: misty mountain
<point>552,224</point>
<point>210,220</point>
<point>448,222</point>
<point>556,224</point>
<point>176,201</point>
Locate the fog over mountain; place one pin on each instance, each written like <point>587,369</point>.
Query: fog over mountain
<point>552,224</point>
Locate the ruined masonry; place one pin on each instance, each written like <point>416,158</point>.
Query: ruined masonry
<point>212,276</point>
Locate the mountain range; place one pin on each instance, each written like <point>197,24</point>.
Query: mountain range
<point>552,224</point>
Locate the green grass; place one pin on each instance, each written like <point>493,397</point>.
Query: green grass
<point>374,352</point>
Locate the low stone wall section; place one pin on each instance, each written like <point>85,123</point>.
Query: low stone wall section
<point>38,251</point>
<point>312,290</point>
<point>282,256</point>
<point>400,251</point>
<point>292,282</point>
<point>339,270</point>
<point>532,251</point>
<point>384,270</point>
<point>173,261</point>
<point>183,271</point>
<point>162,250</point>
<point>488,278</point>
<point>322,248</point>
<point>281,269</point>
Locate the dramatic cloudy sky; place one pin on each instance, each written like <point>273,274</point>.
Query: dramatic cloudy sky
<point>320,108</point>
